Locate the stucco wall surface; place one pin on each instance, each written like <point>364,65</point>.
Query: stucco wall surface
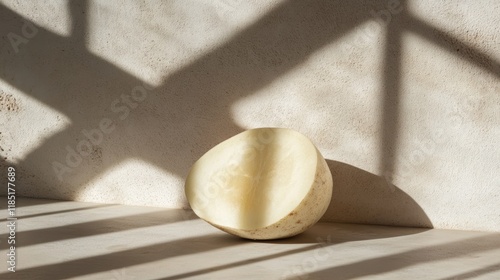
<point>110,101</point>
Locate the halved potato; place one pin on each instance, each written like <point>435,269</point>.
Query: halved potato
<point>264,183</point>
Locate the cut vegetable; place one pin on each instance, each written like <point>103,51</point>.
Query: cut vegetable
<point>264,183</point>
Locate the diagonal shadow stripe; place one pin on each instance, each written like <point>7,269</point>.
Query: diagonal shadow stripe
<point>58,212</point>
<point>239,263</point>
<point>475,273</point>
<point>454,46</point>
<point>125,258</point>
<point>398,261</point>
<point>104,226</point>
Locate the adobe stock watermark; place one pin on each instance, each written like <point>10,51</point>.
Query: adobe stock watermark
<point>321,253</point>
<point>27,32</point>
<point>122,274</point>
<point>92,137</point>
<point>220,181</point>
<point>369,32</point>
<point>427,147</point>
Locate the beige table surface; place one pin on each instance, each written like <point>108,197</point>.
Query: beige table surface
<point>76,240</point>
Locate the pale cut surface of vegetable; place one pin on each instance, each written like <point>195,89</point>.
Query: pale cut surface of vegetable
<point>263,183</point>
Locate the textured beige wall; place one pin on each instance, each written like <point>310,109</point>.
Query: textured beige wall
<point>401,97</point>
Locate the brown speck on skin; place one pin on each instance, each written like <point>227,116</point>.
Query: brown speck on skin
<point>298,222</point>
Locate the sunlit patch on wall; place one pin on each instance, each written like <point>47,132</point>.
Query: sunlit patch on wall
<point>152,186</point>
<point>120,35</point>
<point>35,122</point>
<point>51,15</point>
